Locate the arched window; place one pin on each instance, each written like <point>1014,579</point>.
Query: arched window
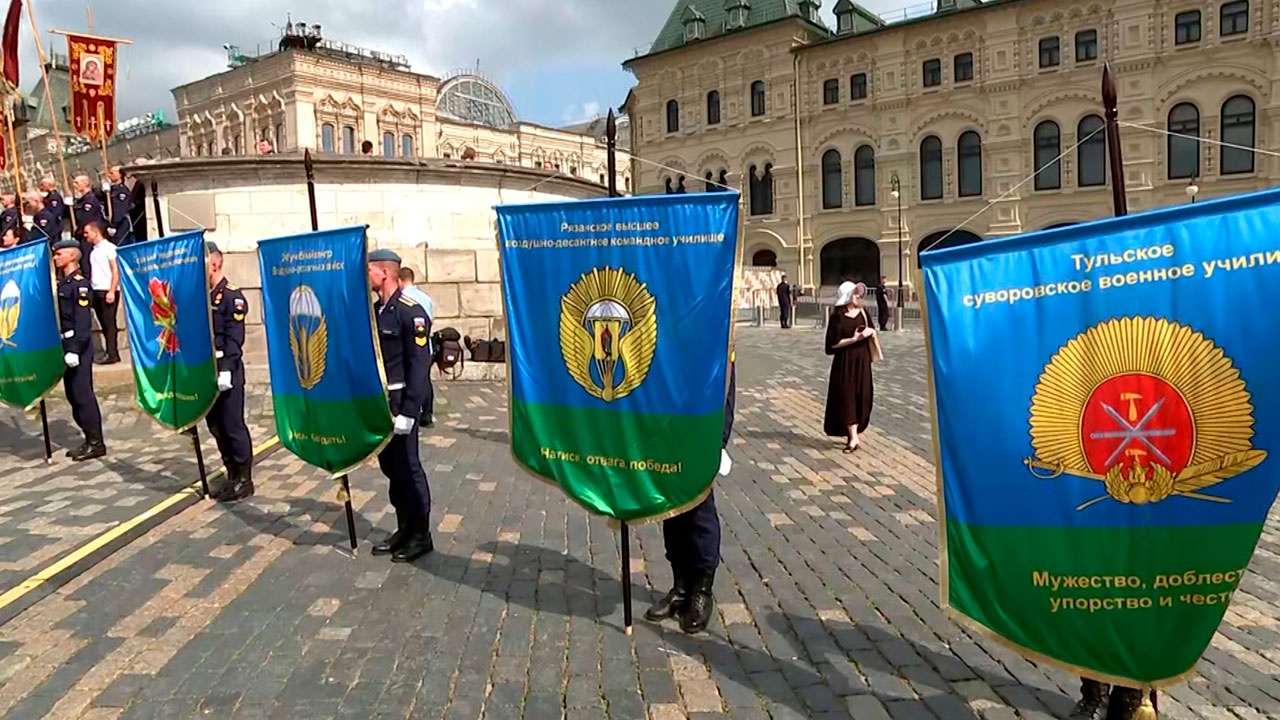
<point>327,138</point>
<point>406,146</point>
<point>832,180</point>
<point>969,158</point>
<point>930,168</point>
<point>1048,145</point>
<point>1237,129</point>
<point>388,145</point>
<point>348,140</point>
<point>764,258</point>
<point>673,116</point>
<point>666,187</point>
<point>713,107</point>
<point>1184,141</point>
<point>864,176</point>
<point>1091,156</point>
<point>710,178</point>
<point>758,105</point>
<point>280,138</point>
<point>680,190</point>
<point>761,190</point>
<point>723,179</point>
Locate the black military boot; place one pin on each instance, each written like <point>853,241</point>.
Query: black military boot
<point>394,541</point>
<point>419,544</point>
<point>701,604</point>
<point>93,448</point>
<point>84,448</point>
<point>239,487</point>
<point>1093,701</point>
<point>1124,703</point>
<point>674,603</point>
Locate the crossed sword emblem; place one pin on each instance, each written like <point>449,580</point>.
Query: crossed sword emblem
<point>1137,431</point>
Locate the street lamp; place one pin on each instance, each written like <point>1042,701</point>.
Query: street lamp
<point>896,193</point>
<point>1192,189</point>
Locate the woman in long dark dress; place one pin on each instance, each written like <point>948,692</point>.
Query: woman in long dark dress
<point>849,392</point>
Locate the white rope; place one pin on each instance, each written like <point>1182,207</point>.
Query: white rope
<point>1198,139</point>
<point>1012,190</point>
<point>173,209</point>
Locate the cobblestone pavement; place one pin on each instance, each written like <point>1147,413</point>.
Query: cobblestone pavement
<point>47,510</point>
<point>827,598</point>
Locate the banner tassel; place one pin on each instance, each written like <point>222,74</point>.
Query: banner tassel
<point>1146,711</point>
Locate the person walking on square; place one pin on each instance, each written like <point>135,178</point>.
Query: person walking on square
<point>692,542</point>
<point>74,318</point>
<point>852,342</point>
<point>104,278</point>
<point>413,292</point>
<point>405,339</point>
<point>882,303</point>
<point>784,301</point>
<point>226,418</point>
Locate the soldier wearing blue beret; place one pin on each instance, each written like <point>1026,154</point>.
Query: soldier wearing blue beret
<point>75,312</point>
<point>692,542</point>
<point>226,418</point>
<point>404,332</point>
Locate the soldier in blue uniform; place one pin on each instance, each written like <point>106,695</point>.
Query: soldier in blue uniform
<point>404,332</point>
<point>226,418</point>
<point>692,541</point>
<point>88,208</point>
<point>119,205</point>
<point>75,301</point>
<point>10,216</point>
<point>52,200</point>
<point>46,224</point>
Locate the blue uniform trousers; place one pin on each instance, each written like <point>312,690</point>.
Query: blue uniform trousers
<point>410,493</point>
<point>226,423</point>
<point>692,539</point>
<point>77,382</point>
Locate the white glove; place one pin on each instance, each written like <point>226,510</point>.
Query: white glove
<point>726,463</point>
<point>106,186</point>
<point>72,360</point>
<point>111,232</point>
<point>224,381</point>
<point>403,425</point>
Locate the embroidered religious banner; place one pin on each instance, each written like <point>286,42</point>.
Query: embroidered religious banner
<point>165,288</point>
<point>93,86</point>
<point>619,313</point>
<point>30,342</point>
<point>1106,405</point>
<point>326,379</point>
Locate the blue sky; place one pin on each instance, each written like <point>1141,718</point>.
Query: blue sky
<point>558,60</point>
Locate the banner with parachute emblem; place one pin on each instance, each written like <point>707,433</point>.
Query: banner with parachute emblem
<point>166,304</point>
<point>1102,500</point>
<point>619,314</point>
<point>30,343</point>
<point>326,378</point>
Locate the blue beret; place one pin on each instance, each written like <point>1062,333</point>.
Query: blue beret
<point>210,247</point>
<point>67,244</point>
<point>384,255</point>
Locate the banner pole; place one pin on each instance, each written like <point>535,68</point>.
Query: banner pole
<point>52,107</point>
<point>155,204</point>
<point>309,167</point>
<point>44,426</point>
<point>13,143</point>
<point>1119,197</point>
<point>611,155</point>
<point>204,476</point>
<point>351,514</point>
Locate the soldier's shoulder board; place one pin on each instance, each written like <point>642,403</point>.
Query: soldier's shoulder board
<point>78,277</point>
<point>407,302</point>
<point>232,287</point>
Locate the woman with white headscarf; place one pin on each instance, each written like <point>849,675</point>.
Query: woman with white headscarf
<point>852,341</point>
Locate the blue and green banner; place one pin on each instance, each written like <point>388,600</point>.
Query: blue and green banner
<point>1106,407</point>
<point>165,289</point>
<point>619,314</point>
<point>30,342</point>
<point>326,379</point>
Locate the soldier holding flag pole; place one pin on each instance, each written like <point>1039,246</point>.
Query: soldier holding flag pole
<point>226,418</point>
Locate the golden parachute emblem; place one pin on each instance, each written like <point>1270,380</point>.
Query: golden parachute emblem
<point>608,332</point>
<point>308,336</point>
<point>1147,407</point>
<point>10,309</point>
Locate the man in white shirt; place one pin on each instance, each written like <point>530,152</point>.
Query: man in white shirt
<point>411,291</point>
<point>104,278</point>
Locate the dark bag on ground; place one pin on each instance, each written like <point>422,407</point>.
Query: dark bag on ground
<point>447,344</point>
<point>486,350</point>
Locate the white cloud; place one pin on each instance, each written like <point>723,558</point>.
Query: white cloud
<point>588,111</point>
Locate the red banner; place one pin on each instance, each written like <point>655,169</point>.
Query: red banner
<point>9,41</point>
<point>93,86</point>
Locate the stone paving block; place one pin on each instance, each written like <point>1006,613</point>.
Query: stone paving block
<point>827,594</point>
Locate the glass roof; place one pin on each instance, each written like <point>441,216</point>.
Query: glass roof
<point>473,99</point>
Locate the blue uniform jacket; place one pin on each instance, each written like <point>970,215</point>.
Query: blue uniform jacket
<point>75,314</point>
<point>404,335</point>
<point>229,309</point>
